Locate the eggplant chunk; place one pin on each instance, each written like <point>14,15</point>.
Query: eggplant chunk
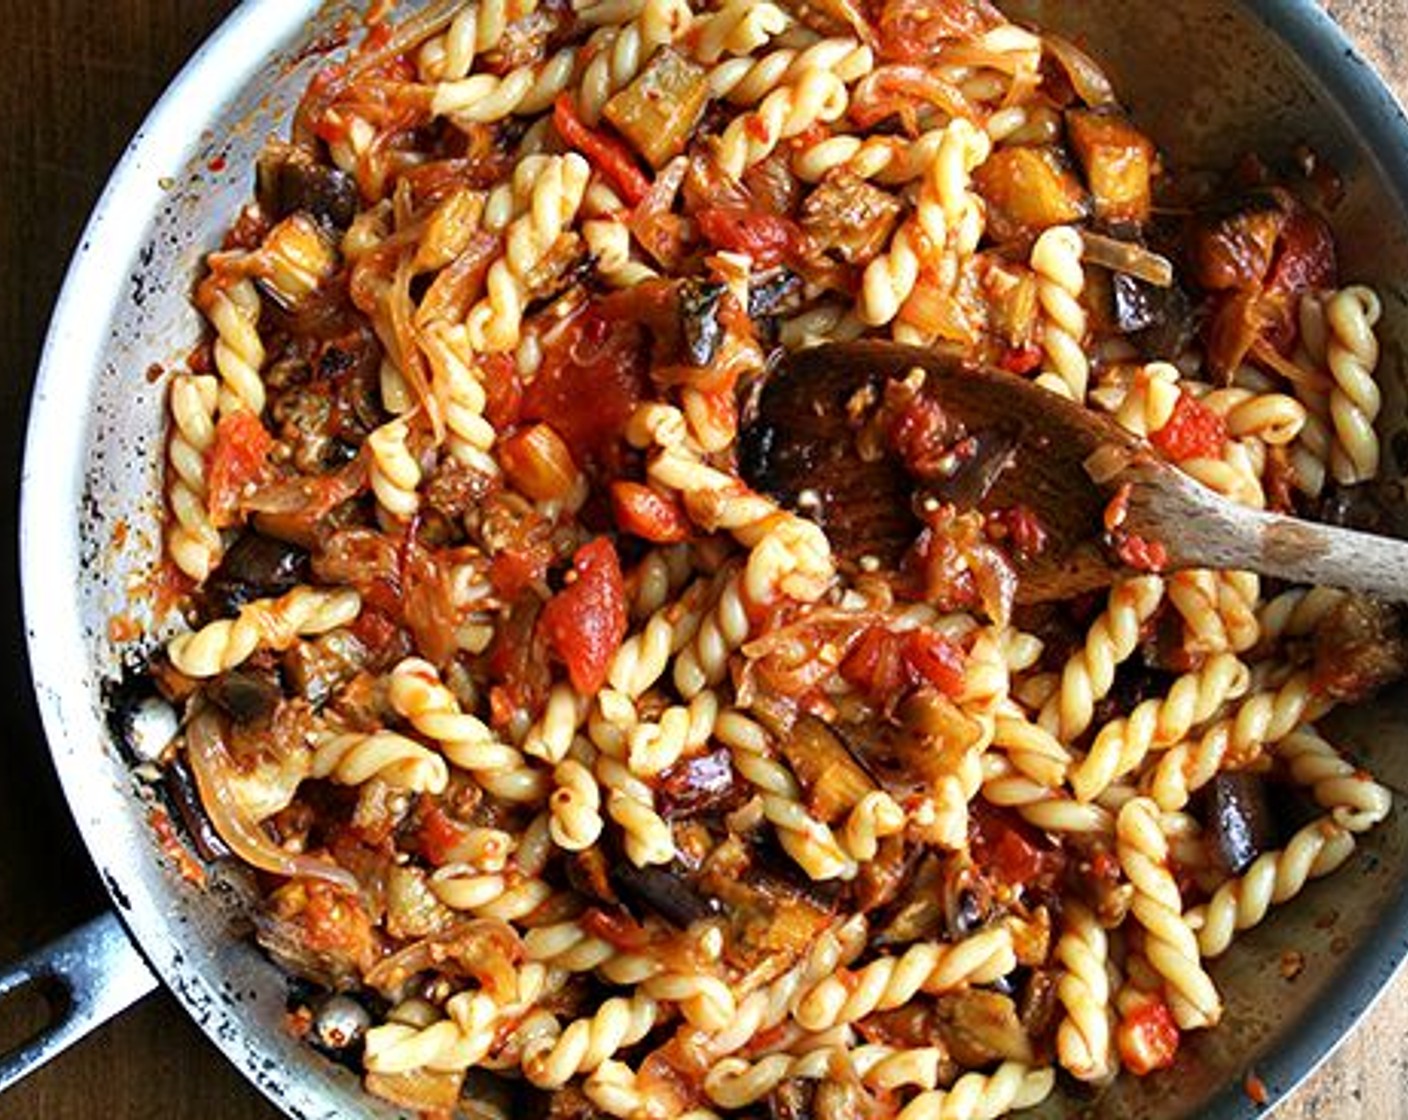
<point>1232,247</point>
<point>1240,819</point>
<point>663,892</point>
<point>1359,647</point>
<point>980,1027</point>
<point>1118,161</point>
<point>247,696</point>
<point>255,567</point>
<point>658,111</point>
<point>847,216</point>
<point>290,179</point>
<point>1028,190</point>
<point>833,780</point>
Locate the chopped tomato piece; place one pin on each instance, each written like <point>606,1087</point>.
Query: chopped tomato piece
<point>647,513</point>
<point>515,570</point>
<point>1194,431</point>
<point>605,152</point>
<point>766,238</point>
<point>590,381</point>
<point>1148,1038</point>
<point>585,622</point>
<point>885,665</point>
<point>1012,852</point>
<point>239,457</point>
<point>439,835</point>
<point>935,659</point>
<point>1305,257</point>
<point>503,390</point>
<point>1020,359</point>
<point>1141,553</point>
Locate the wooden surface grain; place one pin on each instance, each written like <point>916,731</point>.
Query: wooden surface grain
<point>76,80</point>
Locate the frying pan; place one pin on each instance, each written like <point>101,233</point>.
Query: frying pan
<point>1210,79</point>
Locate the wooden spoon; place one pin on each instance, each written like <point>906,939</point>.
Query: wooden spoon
<point>801,447</point>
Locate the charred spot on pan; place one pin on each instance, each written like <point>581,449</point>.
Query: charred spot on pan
<point>119,896</point>
<point>129,706</point>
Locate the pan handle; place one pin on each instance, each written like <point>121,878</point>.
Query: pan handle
<point>89,976</point>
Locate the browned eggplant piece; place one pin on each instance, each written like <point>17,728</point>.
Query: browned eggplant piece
<point>919,912</point>
<point>316,669</point>
<point>774,293</point>
<point>658,111</point>
<point>830,776</point>
<point>255,567</point>
<point>1232,247</point>
<point>424,1091</point>
<point>979,1027</point>
<point>704,783</point>
<point>1240,819</point>
<point>881,878</point>
<point>701,332</point>
<point>1028,190</point>
<point>290,179</point>
<point>793,1100</point>
<point>1360,647</point>
<point>295,261</point>
<point>772,921</point>
<point>247,695</point>
<point>849,217</point>
<point>934,734</point>
<point>1011,291</point>
<point>1037,1006</point>
<point>1118,161</point>
<point>661,891</point>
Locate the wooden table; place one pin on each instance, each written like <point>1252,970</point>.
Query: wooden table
<point>76,80</point>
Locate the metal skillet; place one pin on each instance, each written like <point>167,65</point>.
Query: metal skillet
<point>1208,78</point>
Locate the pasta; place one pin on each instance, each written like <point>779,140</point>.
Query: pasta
<point>610,774</point>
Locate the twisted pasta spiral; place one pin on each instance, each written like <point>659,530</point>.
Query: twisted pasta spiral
<point>890,982</point>
<point>417,695</point>
<point>1317,849</point>
<point>1090,673</point>
<point>351,758</point>
<point>816,97</point>
<point>263,624</point>
<point>494,323</point>
<point>1170,944</point>
<point>1083,1038</point>
<point>192,541</point>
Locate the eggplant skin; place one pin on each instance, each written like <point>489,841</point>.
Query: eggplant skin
<point>255,567</point>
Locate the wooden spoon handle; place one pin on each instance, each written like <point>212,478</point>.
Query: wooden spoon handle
<point>1200,529</point>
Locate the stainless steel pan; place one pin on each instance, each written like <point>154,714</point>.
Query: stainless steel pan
<point>1209,78</point>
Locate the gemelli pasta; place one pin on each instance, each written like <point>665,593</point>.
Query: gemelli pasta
<point>603,779</point>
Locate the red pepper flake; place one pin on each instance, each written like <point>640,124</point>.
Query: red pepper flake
<point>1255,1088</point>
<point>1140,553</point>
<point>1019,527</point>
<point>216,165</point>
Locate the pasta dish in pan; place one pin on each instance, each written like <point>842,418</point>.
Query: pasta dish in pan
<point>582,776</point>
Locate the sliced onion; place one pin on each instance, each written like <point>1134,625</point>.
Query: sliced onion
<point>1087,79</point>
<point>896,88</point>
<point>435,18</point>
<point>1125,256</point>
<point>486,949</point>
<point>210,763</point>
